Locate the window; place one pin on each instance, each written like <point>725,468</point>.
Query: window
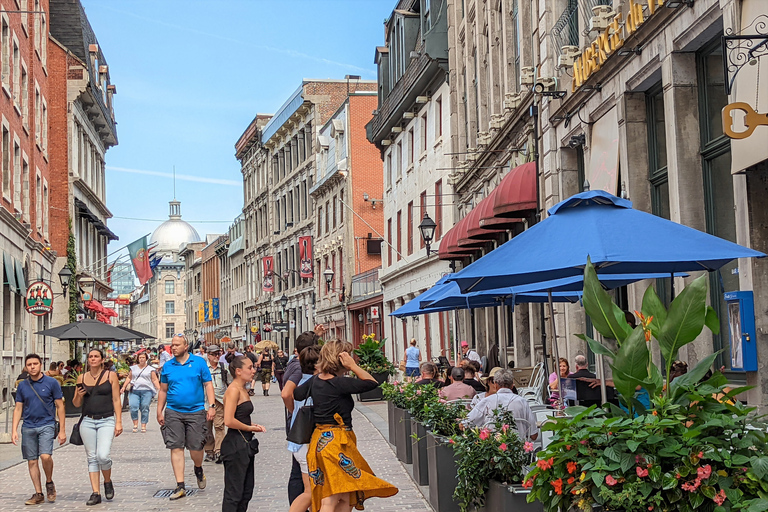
<point>399,234</point>
<point>170,307</point>
<point>44,40</point>
<point>45,209</point>
<point>438,118</point>
<point>5,52</point>
<point>388,169</point>
<point>24,96</point>
<point>327,215</point>
<point>38,203</point>
<point>6,162</point>
<point>334,212</point>
<point>16,80</point>
<point>24,16</point>
<point>16,174</point>
<point>411,146</point>
<point>409,231</point>
<point>170,330</point>
<point>341,207</point>
<point>422,212</point>
<point>37,114</point>
<point>438,210</point>
<point>399,160</point>
<point>320,221</point>
<point>44,134</point>
<point>389,241</point>
<point>170,286</point>
<point>424,132</point>
<point>25,184</point>
<point>516,40</point>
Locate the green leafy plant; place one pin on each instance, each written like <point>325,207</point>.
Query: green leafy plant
<point>73,292</point>
<point>486,454</point>
<point>694,448</point>
<point>71,378</point>
<point>442,418</point>
<point>370,355</point>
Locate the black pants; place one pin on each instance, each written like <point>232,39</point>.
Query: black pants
<point>238,473</point>
<point>295,483</point>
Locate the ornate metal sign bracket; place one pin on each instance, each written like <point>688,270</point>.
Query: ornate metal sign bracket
<point>740,50</point>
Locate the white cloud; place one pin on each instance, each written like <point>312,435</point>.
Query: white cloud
<point>181,177</point>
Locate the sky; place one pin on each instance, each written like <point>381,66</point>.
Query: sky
<point>190,77</point>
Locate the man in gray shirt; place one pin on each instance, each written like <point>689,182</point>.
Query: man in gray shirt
<point>482,413</point>
<point>220,379</point>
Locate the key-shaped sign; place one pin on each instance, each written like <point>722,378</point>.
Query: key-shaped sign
<point>751,120</point>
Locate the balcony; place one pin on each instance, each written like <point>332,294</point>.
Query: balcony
<point>365,285</point>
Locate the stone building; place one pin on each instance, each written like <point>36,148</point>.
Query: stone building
<point>235,283</point>
<point>349,227</point>
<point>412,128</point>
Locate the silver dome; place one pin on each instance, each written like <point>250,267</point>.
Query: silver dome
<point>174,232</point>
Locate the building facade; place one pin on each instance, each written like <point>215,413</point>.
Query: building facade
<point>412,128</point>
<point>192,255</point>
<point>210,272</point>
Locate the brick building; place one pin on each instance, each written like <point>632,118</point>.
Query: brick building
<point>192,254</point>
<point>210,291</point>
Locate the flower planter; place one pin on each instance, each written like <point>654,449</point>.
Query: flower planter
<point>442,473</point>
<point>501,497</point>
<point>374,394</point>
<point>403,432</point>
<point>419,453</point>
<point>391,422</point>
<point>68,393</point>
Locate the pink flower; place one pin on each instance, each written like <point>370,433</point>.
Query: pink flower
<point>691,486</point>
<point>504,427</point>
<point>528,447</point>
<point>583,441</point>
<point>704,472</point>
<point>610,480</point>
<point>418,392</point>
<point>641,472</point>
<point>719,497</point>
<point>484,434</point>
<point>452,441</point>
<point>396,383</point>
<point>503,447</point>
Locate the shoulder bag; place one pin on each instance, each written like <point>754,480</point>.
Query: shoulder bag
<point>75,437</point>
<point>304,424</point>
<point>57,425</point>
<point>129,387</point>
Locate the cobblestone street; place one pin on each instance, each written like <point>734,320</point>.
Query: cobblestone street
<point>142,468</point>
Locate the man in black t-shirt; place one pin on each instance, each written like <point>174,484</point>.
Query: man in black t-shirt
<point>469,379</point>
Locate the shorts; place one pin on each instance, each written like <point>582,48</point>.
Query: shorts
<point>301,458</point>
<point>36,441</point>
<point>185,430</point>
<point>266,375</point>
<point>412,372</point>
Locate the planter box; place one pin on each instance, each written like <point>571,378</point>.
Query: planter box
<point>508,498</point>
<point>419,453</point>
<point>442,474</point>
<point>391,422</point>
<point>68,393</point>
<point>374,394</point>
<point>403,433</point>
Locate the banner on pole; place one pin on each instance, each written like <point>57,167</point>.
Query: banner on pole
<point>269,265</point>
<point>305,257</point>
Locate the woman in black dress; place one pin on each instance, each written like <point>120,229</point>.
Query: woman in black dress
<point>237,451</point>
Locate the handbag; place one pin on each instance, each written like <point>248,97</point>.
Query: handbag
<point>129,387</point>
<point>304,424</point>
<point>56,424</point>
<point>253,444</point>
<point>75,437</point>
<point>402,366</point>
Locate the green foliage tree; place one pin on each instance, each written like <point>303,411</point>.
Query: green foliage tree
<point>72,292</point>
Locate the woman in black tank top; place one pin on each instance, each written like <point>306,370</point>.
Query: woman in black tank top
<point>239,446</point>
<point>266,365</point>
<point>98,391</point>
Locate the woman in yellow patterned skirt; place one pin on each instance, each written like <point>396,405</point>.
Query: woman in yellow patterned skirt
<point>340,477</point>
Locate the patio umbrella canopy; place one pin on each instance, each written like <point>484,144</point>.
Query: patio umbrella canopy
<point>618,239</point>
<point>89,330</point>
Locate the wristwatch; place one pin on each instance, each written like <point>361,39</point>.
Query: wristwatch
<point>213,405</point>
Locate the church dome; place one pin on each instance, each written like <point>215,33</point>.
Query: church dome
<point>174,232</point>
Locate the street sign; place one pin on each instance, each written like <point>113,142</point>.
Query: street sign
<point>79,317</point>
<point>108,304</point>
<point>292,324</point>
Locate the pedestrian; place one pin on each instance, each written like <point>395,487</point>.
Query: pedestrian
<point>141,385</point>
<point>53,371</point>
<point>281,362</point>
<point>340,477</point>
<point>219,378</point>
<point>505,399</point>
<point>231,350</point>
<point>38,403</point>
<point>254,358</point>
<point>98,392</point>
<point>163,354</point>
<point>237,448</point>
<point>291,380</point>
<point>412,359</point>
<point>266,365</point>
<point>185,389</point>
<point>468,353</point>
<point>308,360</point>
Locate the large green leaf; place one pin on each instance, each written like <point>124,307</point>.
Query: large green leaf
<point>607,318</point>
<point>655,382</point>
<point>653,307</point>
<point>685,320</point>
<point>690,379</point>
<point>597,347</point>
<point>711,320</point>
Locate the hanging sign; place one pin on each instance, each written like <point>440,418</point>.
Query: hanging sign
<point>750,121</point>
<point>305,256</point>
<point>269,263</point>
<point>39,301</point>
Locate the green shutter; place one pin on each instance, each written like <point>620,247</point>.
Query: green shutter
<point>10,277</point>
<point>20,281</point>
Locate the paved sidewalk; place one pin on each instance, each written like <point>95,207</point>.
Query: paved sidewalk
<point>142,468</point>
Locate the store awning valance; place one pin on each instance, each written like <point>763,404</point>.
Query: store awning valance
<point>449,245</point>
<point>483,223</point>
<point>516,194</point>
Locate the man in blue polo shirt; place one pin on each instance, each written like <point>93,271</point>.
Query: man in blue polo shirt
<point>38,402</point>
<point>185,389</point>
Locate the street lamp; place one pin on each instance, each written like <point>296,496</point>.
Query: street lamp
<point>65,276</point>
<point>237,319</point>
<point>195,334</point>
<point>427,229</point>
<point>283,301</point>
<point>328,275</point>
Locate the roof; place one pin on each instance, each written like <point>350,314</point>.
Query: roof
<point>288,108</point>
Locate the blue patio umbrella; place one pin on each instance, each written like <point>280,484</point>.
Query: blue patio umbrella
<point>618,239</point>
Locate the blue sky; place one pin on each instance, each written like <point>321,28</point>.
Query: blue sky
<point>190,77</point>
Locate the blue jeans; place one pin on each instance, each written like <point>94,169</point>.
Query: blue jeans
<point>97,438</point>
<point>36,441</point>
<point>139,401</point>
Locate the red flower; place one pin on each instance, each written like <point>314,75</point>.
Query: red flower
<point>719,497</point>
<point>572,467</point>
<point>610,480</point>
<point>583,441</point>
<point>503,447</point>
<point>558,485</point>
<point>567,447</point>
<point>641,472</point>
<point>452,441</point>
<point>484,434</point>
<point>571,480</point>
<point>691,486</point>
<point>544,464</point>
<point>527,484</point>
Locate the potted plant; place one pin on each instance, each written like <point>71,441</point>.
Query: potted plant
<point>422,399</point>
<point>371,358</point>
<point>400,422</point>
<point>68,393</point>
<point>692,447</point>
<point>489,460</point>
<point>441,420</point>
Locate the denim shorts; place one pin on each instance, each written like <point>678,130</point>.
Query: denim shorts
<point>412,372</point>
<point>36,441</point>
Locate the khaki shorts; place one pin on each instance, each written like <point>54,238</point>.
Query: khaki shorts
<point>266,375</point>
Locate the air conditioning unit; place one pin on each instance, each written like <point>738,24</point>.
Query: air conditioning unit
<point>568,56</point>
<point>526,75</point>
<point>603,14</point>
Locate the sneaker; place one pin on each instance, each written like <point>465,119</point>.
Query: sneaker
<point>109,490</point>
<point>200,477</point>
<point>217,458</point>
<point>180,492</point>
<point>36,499</point>
<point>95,499</point>
<point>50,490</point>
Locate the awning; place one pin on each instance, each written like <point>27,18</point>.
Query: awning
<point>449,245</point>
<point>10,275</point>
<point>476,230</point>
<point>20,281</point>
<point>487,219</point>
<point>516,194</point>
<point>473,233</point>
<point>101,228</point>
<point>463,241</point>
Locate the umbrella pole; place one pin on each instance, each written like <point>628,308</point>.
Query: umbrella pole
<point>510,335</point>
<point>555,352</point>
<point>601,376</point>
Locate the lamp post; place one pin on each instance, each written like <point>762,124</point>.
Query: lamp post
<point>427,229</point>
<point>65,276</point>
<point>328,275</point>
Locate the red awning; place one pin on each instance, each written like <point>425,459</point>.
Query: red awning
<point>516,194</point>
<point>474,232</point>
<point>449,245</point>
<point>483,225</point>
<point>95,305</point>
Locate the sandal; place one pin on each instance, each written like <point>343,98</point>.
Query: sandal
<point>135,429</point>
<point>143,430</point>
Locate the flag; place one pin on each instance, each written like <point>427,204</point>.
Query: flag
<point>268,262</point>
<point>140,259</point>
<point>305,257</point>
<point>154,260</point>
<point>109,272</point>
